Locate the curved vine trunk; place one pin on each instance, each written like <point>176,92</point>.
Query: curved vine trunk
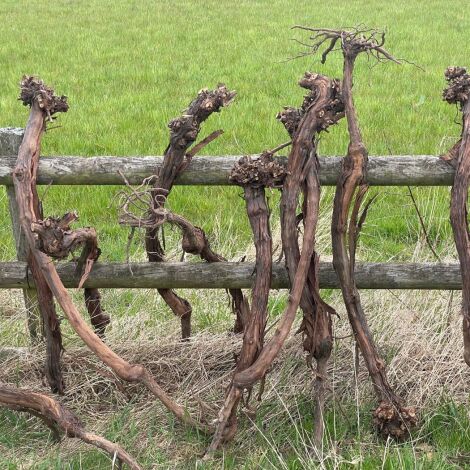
<point>253,175</point>
<point>183,132</point>
<point>391,417</point>
<point>302,177</point>
<point>320,109</point>
<point>43,104</point>
<point>458,91</point>
<point>50,321</point>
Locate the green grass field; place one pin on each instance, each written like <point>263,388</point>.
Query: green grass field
<point>128,67</point>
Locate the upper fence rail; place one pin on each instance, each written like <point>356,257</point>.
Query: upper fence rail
<point>407,170</point>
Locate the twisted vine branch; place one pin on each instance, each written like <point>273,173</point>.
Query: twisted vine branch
<point>391,417</point>
<point>320,109</point>
<point>24,179</point>
<point>458,92</point>
<point>56,416</point>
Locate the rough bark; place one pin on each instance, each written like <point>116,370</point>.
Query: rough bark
<point>183,132</point>
<point>178,305</point>
<point>50,321</point>
<point>458,92</point>
<point>51,328</point>
<point>56,416</point>
<point>302,169</point>
<point>43,105</point>
<point>55,238</point>
<point>254,175</point>
<point>391,417</point>
<point>319,110</point>
<point>194,242</point>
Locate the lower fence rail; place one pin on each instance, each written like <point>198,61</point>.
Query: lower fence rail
<point>225,275</point>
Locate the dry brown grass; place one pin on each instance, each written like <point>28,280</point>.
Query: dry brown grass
<point>419,333</point>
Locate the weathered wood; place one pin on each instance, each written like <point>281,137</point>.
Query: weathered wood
<point>44,104</point>
<point>55,416</point>
<point>10,141</point>
<point>458,92</point>
<point>429,276</point>
<point>407,170</point>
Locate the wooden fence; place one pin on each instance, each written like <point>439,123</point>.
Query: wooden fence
<point>422,170</point>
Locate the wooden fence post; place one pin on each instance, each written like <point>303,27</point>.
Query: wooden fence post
<point>10,141</point>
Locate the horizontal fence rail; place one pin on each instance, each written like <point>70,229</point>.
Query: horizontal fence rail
<point>421,170</point>
<point>238,275</point>
<point>418,170</point>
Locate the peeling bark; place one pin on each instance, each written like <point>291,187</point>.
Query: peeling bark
<point>458,92</point>
<point>24,182</point>
<point>51,328</point>
<point>253,175</point>
<point>392,418</point>
<point>56,416</point>
<point>50,321</point>
<point>316,326</point>
<point>320,109</point>
<point>183,132</point>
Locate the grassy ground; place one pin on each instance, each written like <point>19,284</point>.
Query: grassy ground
<point>128,68</point>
